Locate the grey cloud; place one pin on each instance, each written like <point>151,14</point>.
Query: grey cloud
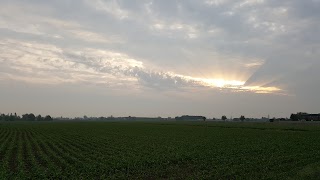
<point>161,80</point>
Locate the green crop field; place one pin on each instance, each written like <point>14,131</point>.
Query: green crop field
<point>138,150</point>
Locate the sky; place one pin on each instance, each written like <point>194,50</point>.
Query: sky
<point>160,57</point>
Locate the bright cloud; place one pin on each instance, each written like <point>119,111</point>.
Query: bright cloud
<point>38,63</point>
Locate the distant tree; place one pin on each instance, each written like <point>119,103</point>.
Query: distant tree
<point>25,117</point>
<point>294,117</point>
<point>224,117</point>
<point>28,117</point>
<point>39,118</point>
<point>31,117</point>
<point>48,118</point>
<point>101,118</point>
<point>7,117</point>
<point>11,117</point>
<point>242,118</point>
<point>3,117</point>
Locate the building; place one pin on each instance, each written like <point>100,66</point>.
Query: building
<point>305,116</point>
<point>311,117</point>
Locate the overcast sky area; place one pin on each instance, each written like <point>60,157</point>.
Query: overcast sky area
<point>160,57</point>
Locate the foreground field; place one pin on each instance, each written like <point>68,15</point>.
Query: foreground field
<point>100,150</point>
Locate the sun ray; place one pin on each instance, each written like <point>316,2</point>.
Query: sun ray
<point>236,85</point>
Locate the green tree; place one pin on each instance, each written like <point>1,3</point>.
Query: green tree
<point>39,118</point>
<point>31,117</point>
<point>11,117</point>
<point>294,117</point>
<point>48,118</point>
<point>242,118</point>
<point>224,118</point>
<point>24,117</point>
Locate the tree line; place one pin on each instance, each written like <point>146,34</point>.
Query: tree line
<point>242,118</point>
<point>24,117</point>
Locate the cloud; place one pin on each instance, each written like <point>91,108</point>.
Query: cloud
<point>173,30</point>
<point>34,61</point>
<point>47,64</point>
<point>46,26</point>
<point>111,7</point>
<point>165,43</point>
<point>254,64</point>
<point>90,36</point>
<point>215,2</point>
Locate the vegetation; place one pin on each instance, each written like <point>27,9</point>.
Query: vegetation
<point>224,118</point>
<point>25,117</point>
<point>177,150</point>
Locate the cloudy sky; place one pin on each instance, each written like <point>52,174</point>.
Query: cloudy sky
<point>160,57</point>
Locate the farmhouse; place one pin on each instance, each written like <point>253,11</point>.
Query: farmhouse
<point>191,118</point>
<point>305,116</point>
<point>310,117</point>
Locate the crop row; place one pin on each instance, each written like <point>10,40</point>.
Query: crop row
<point>120,150</point>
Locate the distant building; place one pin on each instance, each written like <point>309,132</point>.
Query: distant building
<point>236,119</point>
<point>311,117</point>
<point>191,118</point>
<point>305,116</point>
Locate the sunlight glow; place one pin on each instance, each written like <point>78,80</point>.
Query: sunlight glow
<point>239,86</point>
<point>235,85</point>
<point>222,83</point>
<point>261,90</point>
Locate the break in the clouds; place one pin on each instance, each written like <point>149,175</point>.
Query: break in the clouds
<point>244,47</point>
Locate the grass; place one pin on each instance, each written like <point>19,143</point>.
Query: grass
<point>177,150</point>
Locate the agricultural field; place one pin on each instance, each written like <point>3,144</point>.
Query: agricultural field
<point>159,150</point>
